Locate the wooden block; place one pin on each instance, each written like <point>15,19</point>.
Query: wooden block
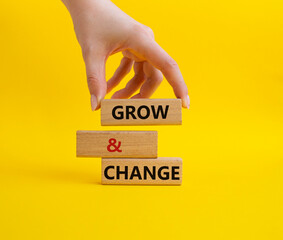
<point>141,112</point>
<point>158,171</point>
<point>118,144</point>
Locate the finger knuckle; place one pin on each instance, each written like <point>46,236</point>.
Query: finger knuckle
<point>150,31</point>
<point>141,31</point>
<point>138,28</point>
<point>169,64</point>
<point>159,77</point>
<point>92,79</point>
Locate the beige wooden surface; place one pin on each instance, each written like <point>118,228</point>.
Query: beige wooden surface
<point>146,112</point>
<point>136,173</point>
<point>140,144</point>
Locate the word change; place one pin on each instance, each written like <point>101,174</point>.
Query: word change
<point>159,171</point>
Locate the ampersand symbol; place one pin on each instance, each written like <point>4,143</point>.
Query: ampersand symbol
<point>112,142</point>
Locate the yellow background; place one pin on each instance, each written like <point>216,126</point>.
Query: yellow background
<point>231,56</point>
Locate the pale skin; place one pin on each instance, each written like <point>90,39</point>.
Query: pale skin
<point>102,29</point>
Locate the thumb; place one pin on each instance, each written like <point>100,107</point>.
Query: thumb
<point>95,71</point>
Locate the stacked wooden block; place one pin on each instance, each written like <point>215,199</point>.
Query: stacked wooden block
<point>130,157</point>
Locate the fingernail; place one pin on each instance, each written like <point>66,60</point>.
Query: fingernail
<point>188,102</point>
<point>93,101</point>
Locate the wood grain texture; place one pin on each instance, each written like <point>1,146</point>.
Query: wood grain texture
<point>134,144</point>
<point>116,112</point>
<point>158,171</point>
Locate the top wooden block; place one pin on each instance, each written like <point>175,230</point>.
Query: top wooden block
<point>116,112</point>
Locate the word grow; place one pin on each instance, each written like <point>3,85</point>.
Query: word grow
<point>142,112</point>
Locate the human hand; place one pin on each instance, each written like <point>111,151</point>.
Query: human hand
<point>102,29</point>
